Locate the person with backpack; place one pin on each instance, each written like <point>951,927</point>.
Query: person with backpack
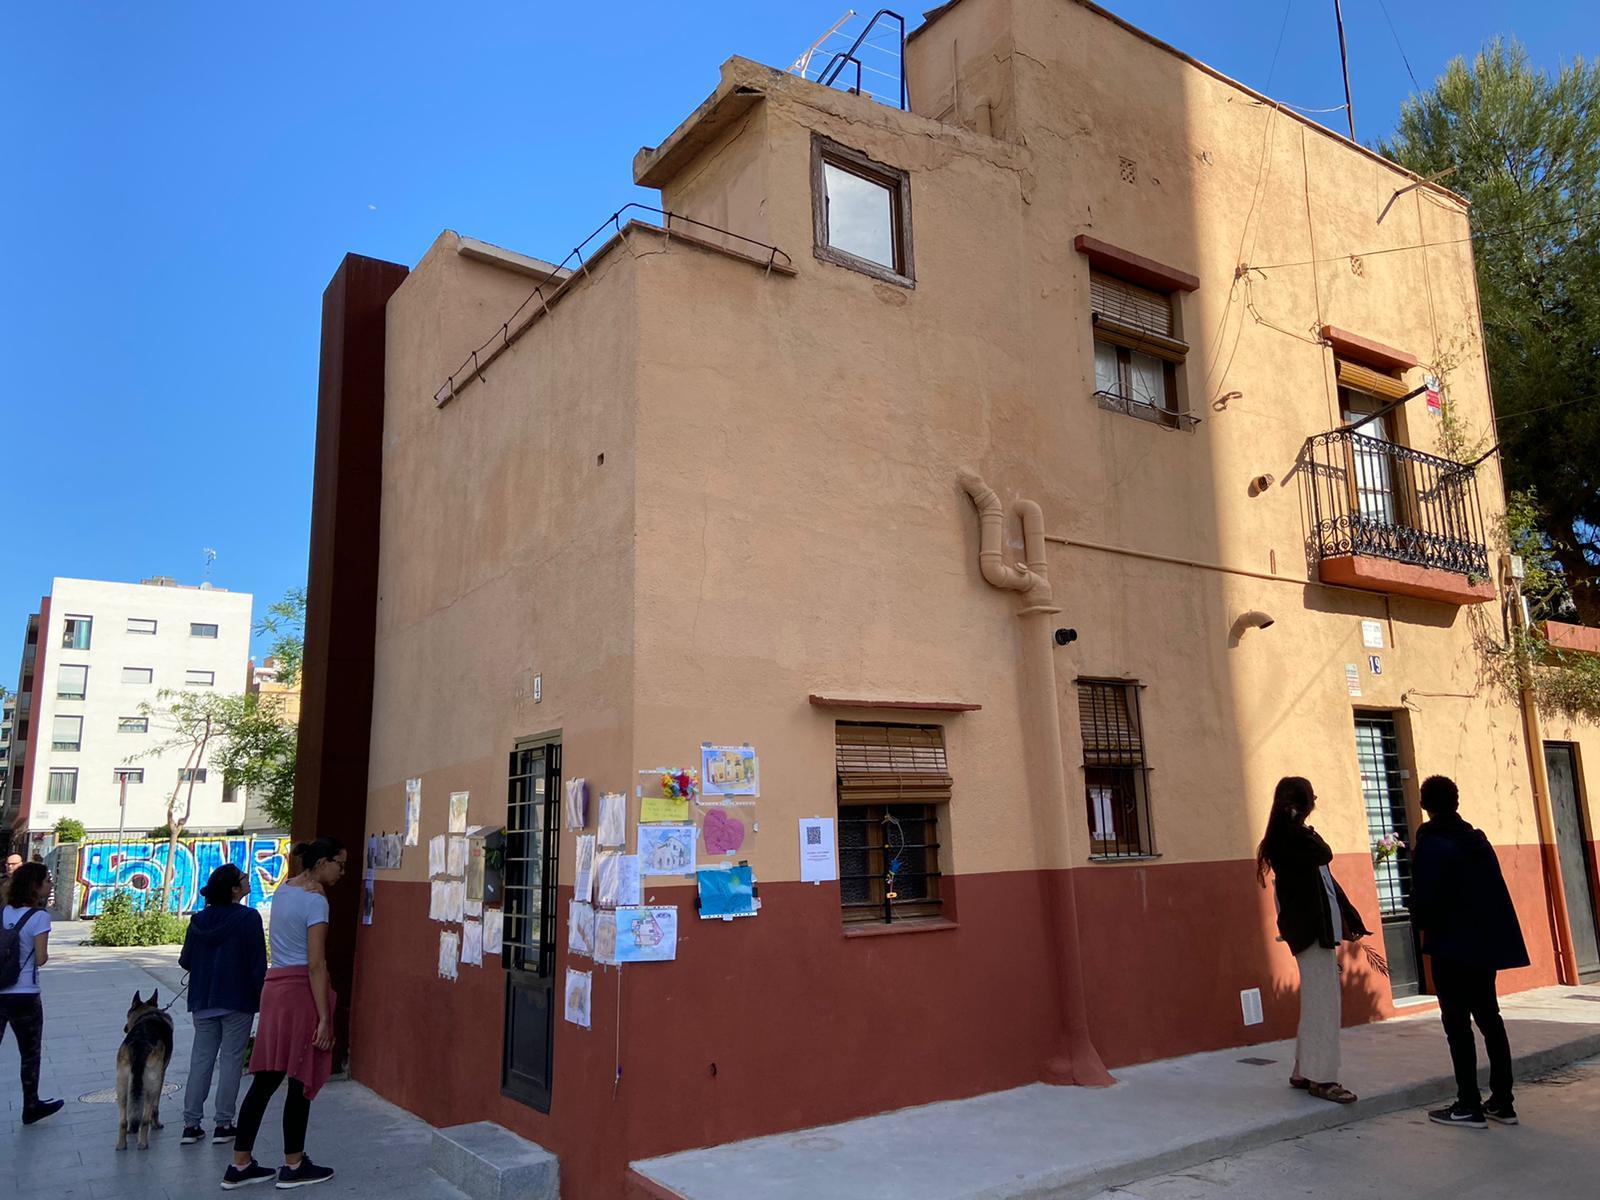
<point>1470,931</point>
<point>225,953</point>
<point>24,948</point>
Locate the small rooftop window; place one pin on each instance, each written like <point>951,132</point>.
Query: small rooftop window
<point>861,212</point>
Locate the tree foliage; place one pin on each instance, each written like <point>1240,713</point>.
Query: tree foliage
<point>285,623</point>
<point>244,736</point>
<point>1524,147</point>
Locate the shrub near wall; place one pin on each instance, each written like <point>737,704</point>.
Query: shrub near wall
<point>125,922</point>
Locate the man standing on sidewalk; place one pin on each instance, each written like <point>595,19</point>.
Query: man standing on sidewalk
<point>1469,929</point>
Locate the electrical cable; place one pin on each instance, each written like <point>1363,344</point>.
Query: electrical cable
<point>1481,235</point>
<point>1398,46</point>
<point>1282,29</point>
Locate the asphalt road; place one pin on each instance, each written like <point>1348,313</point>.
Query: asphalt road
<point>1554,1154</point>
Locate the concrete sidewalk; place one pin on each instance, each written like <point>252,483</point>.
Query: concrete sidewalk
<point>375,1147</point>
<point>1039,1142</point>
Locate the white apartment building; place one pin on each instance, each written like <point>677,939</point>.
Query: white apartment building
<point>105,651</point>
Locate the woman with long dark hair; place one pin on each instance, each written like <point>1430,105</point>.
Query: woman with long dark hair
<point>1314,917</point>
<point>25,914</point>
<point>295,1038</point>
<point>225,953</point>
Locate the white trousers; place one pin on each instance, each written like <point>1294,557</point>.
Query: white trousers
<point>1317,1046</point>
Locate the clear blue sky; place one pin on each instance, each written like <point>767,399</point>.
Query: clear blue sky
<point>181,179</point>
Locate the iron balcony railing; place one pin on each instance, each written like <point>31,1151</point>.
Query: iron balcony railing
<point>1372,497</point>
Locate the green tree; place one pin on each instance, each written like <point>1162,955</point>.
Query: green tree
<point>1524,147</point>
<point>285,623</point>
<point>69,829</point>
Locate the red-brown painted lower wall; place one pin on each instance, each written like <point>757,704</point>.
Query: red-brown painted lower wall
<point>805,1026</point>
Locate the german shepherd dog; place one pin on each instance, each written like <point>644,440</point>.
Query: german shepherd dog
<point>142,1070</point>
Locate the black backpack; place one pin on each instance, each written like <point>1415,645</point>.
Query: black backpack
<point>11,950</point>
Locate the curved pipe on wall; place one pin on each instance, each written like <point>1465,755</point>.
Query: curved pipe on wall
<point>1076,1059</point>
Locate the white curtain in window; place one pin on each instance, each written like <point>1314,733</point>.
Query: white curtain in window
<point>1105,369</point>
<point>1147,378</point>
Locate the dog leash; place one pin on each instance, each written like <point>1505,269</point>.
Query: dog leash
<point>180,994</point>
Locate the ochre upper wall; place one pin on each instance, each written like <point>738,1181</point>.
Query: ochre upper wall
<point>833,551</point>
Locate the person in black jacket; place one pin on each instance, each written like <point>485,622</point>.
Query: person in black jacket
<point>225,953</point>
<point>1314,916</point>
<point>1469,927</point>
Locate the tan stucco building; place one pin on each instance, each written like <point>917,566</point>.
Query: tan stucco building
<point>750,479</point>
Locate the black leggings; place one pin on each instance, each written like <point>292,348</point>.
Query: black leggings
<point>24,1012</point>
<point>296,1113</point>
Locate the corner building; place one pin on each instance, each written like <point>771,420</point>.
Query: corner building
<point>756,479</point>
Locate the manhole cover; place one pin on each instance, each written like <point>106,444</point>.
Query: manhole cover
<point>109,1095</point>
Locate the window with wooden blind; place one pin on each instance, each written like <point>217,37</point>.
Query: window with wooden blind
<point>1136,351</point>
<point>1116,776</point>
<point>893,788</point>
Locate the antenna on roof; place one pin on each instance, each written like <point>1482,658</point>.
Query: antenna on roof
<point>803,64</point>
<point>210,557</point>
<point>1344,64</point>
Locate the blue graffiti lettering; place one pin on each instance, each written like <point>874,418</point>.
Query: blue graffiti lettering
<point>142,867</point>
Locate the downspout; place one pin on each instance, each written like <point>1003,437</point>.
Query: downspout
<point>1549,852</point>
<point>1075,1060</point>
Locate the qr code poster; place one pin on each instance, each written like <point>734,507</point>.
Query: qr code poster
<point>817,861</point>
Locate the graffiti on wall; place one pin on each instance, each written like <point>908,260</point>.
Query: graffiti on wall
<point>141,867</point>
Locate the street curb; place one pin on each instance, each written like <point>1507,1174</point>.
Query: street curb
<point>1078,1183</point>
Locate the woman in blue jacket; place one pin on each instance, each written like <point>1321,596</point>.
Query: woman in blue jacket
<point>225,954</point>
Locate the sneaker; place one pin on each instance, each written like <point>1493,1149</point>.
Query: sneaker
<point>191,1135</point>
<point>224,1132</point>
<point>238,1177</point>
<point>1501,1111</point>
<point>1467,1118</point>
<point>303,1175</point>
<point>34,1113</point>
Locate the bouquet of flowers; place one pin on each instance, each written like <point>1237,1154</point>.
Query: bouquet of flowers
<point>681,785</point>
<point>1386,848</point>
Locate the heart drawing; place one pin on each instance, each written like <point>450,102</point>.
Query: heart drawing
<point>723,834</point>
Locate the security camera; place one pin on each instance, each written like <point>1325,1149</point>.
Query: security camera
<point>1066,637</point>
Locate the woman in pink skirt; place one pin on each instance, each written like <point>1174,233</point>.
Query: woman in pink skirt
<point>294,1040</point>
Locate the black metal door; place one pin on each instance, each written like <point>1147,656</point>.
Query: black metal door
<point>1383,793</point>
<point>1562,767</point>
<point>533,815</point>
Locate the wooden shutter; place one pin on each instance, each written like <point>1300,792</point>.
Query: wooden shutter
<point>1365,379</point>
<point>1110,731</point>
<point>891,764</point>
<point>1129,304</point>
<point>1126,314</point>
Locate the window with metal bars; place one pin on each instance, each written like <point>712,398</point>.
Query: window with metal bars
<point>1383,794</point>
<point>893,783</point>
<point>1136,351</point>
<point>533,812</point>
<point>1116,777</point>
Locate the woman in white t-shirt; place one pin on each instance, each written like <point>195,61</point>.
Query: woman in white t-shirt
<point>21,1009</point>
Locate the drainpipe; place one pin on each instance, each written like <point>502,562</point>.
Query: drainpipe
<point>1075,1059</point>
<point>1549,853</point>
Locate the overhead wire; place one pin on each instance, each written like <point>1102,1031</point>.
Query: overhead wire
<point>1396,33</point>
<point>1481,235</point>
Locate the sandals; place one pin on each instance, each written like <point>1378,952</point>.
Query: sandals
<point>1334,1092</point>
<point>1299,1082</point>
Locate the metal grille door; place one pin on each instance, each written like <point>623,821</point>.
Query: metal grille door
<point>1383,793</point>
<point>533,811</point>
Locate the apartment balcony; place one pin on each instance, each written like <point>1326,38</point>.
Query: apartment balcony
<point>1386,518</point>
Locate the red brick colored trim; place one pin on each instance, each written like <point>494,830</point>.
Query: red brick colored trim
<point>1135,268</point>
<point>1365,350</point>
<point>1402,579</point>
<point>1563,636</point>
<point>913,705</point>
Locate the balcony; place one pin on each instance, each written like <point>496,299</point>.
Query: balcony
<point>1386,518</point>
